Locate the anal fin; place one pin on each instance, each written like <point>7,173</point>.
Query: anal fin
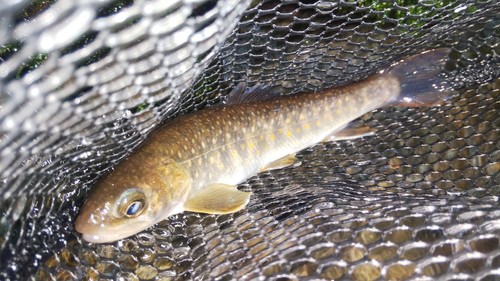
<point>217,199</point>
<point>350,133</point>
<point>281,163</point>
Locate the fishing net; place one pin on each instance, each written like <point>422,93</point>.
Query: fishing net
<point>82,83</point>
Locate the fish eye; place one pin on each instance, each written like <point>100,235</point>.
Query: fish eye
<point>132,203</point>
<point>134,208</point>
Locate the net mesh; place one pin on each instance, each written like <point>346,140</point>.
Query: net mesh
<point>82,83</point>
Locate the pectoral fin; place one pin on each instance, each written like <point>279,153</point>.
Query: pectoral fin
<point>217,199</point>
<point>349,133</point>
<point>281,163</point>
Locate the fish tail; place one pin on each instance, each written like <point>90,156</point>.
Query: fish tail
<point>421,79</point>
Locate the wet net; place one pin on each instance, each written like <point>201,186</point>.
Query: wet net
<point>82,83</point>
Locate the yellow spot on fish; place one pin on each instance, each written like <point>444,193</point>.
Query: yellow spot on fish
<point>261,137</point>
<point>234,153</point>
<point>307,126</point>
<point>280,131</point>
<point>272,137</point>
<point>318,123</point>
<point>251,145</point>
<point>298,130</point>
<point>288,134</point>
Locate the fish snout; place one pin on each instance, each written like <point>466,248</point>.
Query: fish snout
<point>93,226</point>
<point>91,219</point>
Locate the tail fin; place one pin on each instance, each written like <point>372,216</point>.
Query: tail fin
<point>421,82</point>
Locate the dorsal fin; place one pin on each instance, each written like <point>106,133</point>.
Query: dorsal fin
<point>241,95</point>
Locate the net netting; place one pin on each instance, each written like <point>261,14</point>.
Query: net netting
<point>82,83</point>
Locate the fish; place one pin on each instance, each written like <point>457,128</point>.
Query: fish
<point>195,162</point>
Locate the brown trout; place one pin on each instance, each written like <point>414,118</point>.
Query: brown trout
<point>195,162</point>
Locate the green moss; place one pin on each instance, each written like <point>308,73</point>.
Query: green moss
<point>9,49</point>
<point>471,9</point>
<point>382,6</point>
<point>34,8</point>
<point>32,63</point>
<point>205,85</point>
<point>114,7</point>
<point>400,9</point>
<point>140,107</point>
<point>406,3</point>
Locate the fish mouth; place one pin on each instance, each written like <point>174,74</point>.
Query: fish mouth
<point>93,238</point>
<point>106,237</point>
<point>105,233</point>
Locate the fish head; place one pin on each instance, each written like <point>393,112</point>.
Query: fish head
<point>132,198</point>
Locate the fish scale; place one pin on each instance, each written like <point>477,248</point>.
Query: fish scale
<point>247,137</point>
